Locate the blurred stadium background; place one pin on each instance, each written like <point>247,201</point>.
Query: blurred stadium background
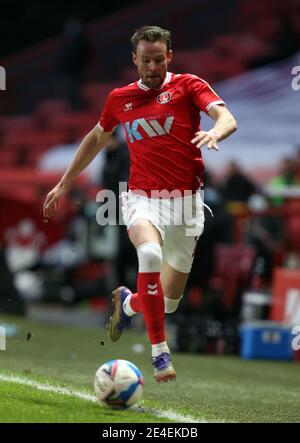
<point>61,61</point>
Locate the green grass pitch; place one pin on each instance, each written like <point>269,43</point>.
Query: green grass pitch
<point>208,388</point>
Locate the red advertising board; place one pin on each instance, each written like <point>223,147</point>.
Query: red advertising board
<point>286,296</point>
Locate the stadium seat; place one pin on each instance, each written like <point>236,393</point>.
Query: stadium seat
<point>239,46</point>
<point>292,227</point>
<point>72,123</point>
<point>208,63</point>
<point>8,158</point>
<point>90,271</point>
<point>50,107</point>
<point>232,270</point>
<point>94,94</point>
<point>17,123</point>
<point>31,139</point>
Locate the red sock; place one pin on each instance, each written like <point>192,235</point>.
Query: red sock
<point>151,304</point>
<point>134,302</point>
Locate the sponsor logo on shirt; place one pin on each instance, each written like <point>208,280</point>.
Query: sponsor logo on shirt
<point>164,97</point>
<point>152,128</point>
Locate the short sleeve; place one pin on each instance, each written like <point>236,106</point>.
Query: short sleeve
<point>202,94</point>
<point>108,120</point>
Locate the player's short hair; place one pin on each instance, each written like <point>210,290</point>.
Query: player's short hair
<point>151,34</point>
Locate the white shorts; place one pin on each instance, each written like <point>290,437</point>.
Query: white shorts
<point>180,222</point>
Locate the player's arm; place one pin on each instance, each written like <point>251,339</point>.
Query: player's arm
<point>225,125</point>
<point>92,143</point>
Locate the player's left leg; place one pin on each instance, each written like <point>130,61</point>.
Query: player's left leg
<point>178,250</point>
<point>173,283</point>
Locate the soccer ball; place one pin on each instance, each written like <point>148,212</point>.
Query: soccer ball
<point>119,384</point>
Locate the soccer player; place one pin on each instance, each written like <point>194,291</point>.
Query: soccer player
<point>160,115</point>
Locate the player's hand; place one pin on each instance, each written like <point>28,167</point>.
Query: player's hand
<point>51,201</point>
<point>208,138</point>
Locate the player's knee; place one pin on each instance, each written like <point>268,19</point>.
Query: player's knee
<point>150,257</point>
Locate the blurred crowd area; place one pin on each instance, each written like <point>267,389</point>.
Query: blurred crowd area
<point>55,93</point>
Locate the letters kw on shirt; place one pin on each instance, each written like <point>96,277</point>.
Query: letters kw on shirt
<point>152,128</point>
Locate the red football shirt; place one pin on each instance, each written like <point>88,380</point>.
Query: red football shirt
<point>159,127</point>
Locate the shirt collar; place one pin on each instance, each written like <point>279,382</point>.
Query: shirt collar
<point>141,84</point>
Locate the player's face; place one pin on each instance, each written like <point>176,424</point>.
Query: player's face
<point>152,60</point>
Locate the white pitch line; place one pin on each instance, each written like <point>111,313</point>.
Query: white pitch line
<point>48,388</point>
<point>169,414</point>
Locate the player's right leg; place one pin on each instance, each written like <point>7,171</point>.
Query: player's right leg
<point>147,241</point>
<point>119,319</point>
<point>126,304</point>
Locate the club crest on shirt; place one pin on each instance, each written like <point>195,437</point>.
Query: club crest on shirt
<point>164,97</point>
